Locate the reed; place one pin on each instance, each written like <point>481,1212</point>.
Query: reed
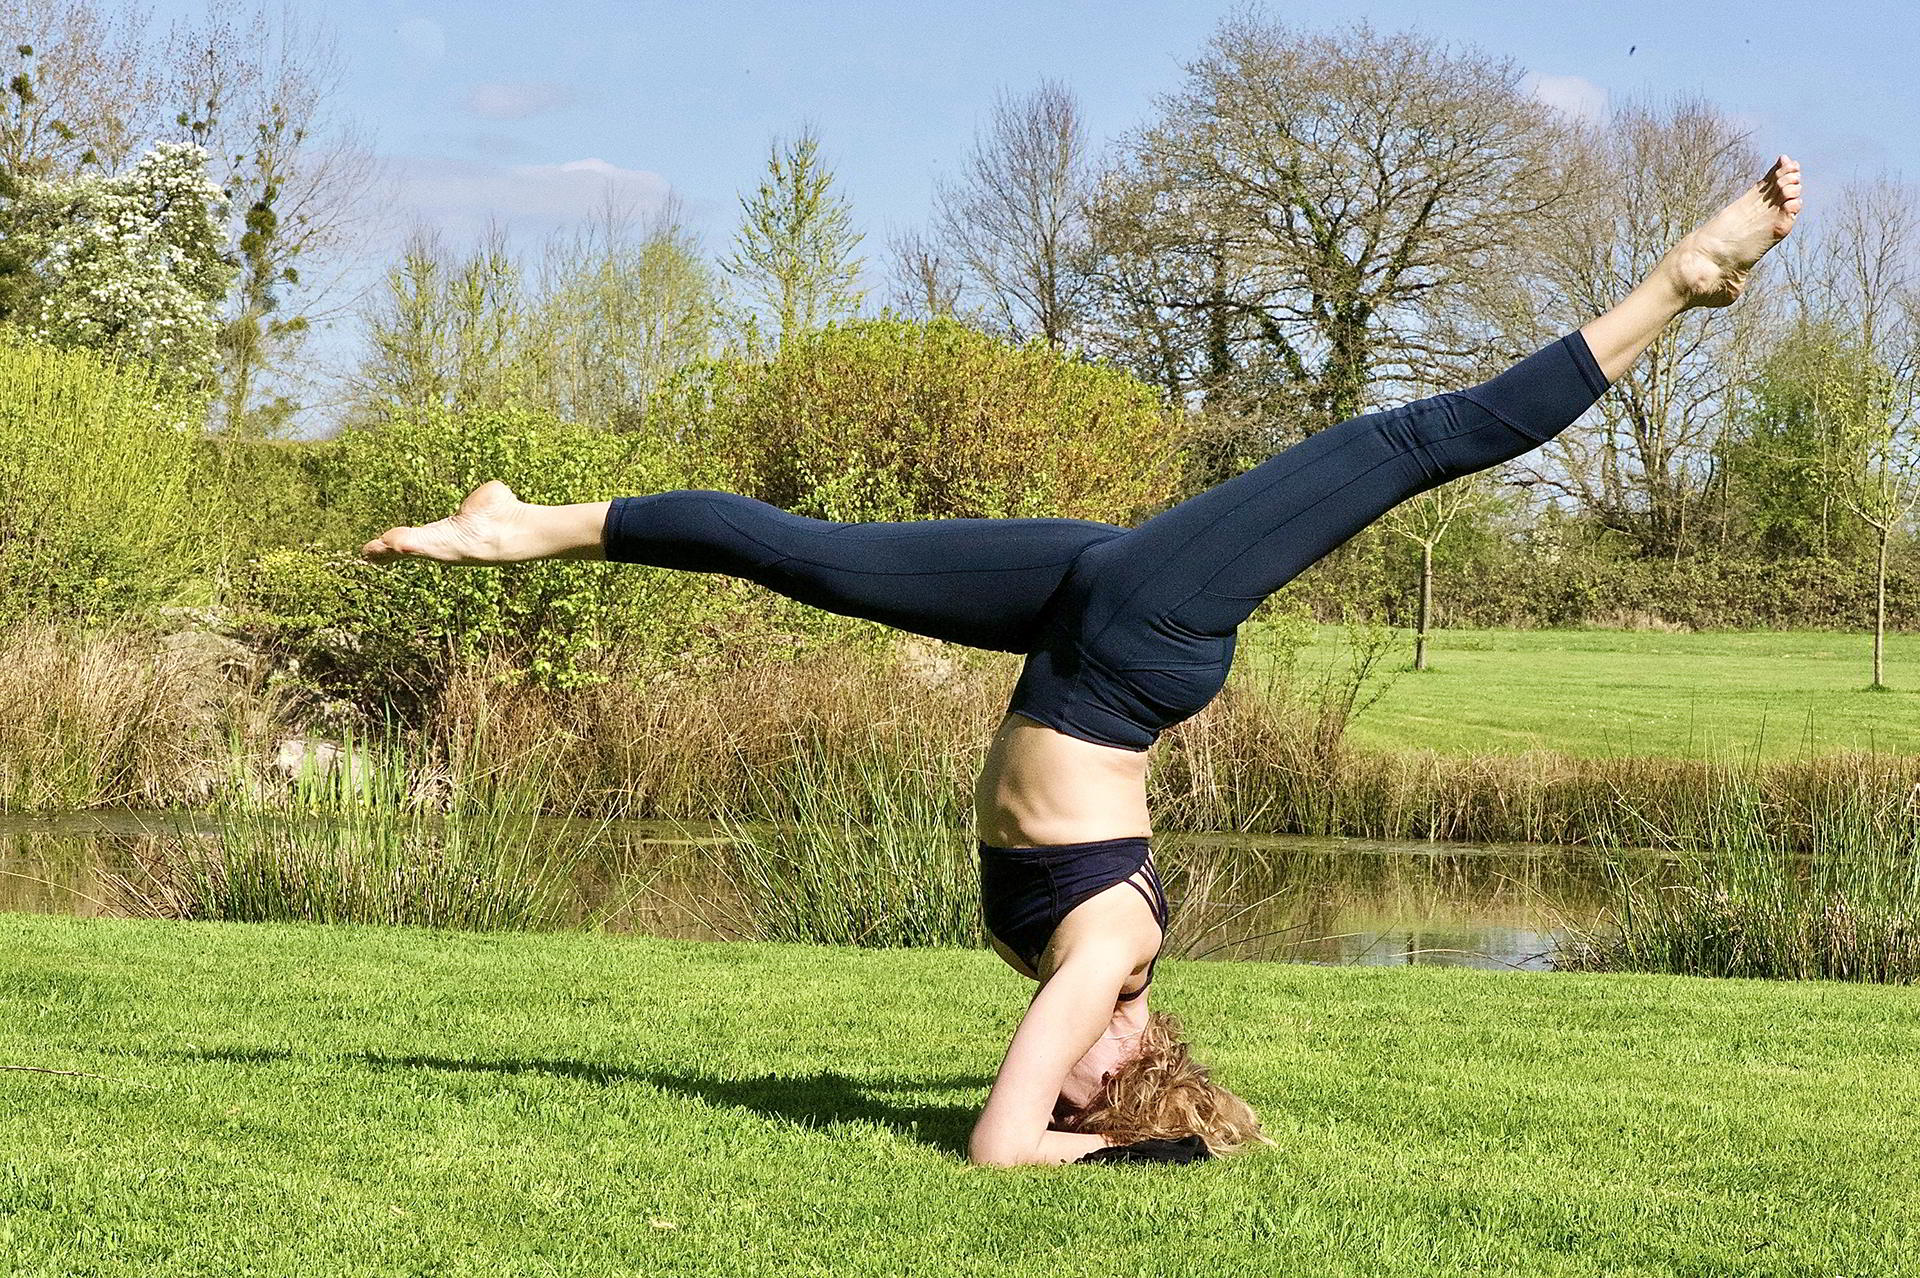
<point>363,843</point>
<point>860,859</point>
<point>100,718</point>
<point>91,719</point>
<point>1737,901</point>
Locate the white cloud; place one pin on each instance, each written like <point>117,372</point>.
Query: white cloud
<point>516,101</point>
<point>461,196</point>
<point>1572,95</point>
<point>423,38</point>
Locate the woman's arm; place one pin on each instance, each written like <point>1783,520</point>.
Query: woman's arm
<point>1066,1017</point>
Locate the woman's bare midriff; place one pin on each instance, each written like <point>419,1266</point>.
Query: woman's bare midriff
<point>1041,788</point>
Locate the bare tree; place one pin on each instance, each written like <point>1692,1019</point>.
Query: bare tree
<point>1856,288</point>
<point>1640,463</point>
<point>85,89</point>
<point>1317,210</point>
<point>924,280</point>
<point>256,89</point>
<point>1425,521</point>
<point>1015,221</point>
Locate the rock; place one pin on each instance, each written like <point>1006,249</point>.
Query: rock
<point>927,662</point>
<point>315,758</point>
<point>215,654</point>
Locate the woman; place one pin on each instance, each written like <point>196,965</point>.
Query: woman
<point>1126,632</point>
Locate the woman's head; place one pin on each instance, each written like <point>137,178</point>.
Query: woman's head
<point>1161,1092</point>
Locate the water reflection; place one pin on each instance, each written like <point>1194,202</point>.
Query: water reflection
<point>1344,901</point>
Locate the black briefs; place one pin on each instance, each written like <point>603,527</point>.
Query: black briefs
<point>1026,892</point>
<point>1126,631</point>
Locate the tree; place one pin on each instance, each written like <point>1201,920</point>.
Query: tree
<point>1313,213</point>
<point>1015,220</point>
<point>86,92</point>
<point>1858,398</point>
<point>257,93</point>
<point>1856,288</point>
<point>793,254</point>
<point>129,264</point>
<point>1640,463</point>
<point>1426,520</point>
<point>1776,461</point>
<point>91,89</point>
<point>622,304</point>
<point>925,279</point>
<point>445,333</point>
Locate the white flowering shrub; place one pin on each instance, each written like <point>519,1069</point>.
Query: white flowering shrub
<point>130,265</point>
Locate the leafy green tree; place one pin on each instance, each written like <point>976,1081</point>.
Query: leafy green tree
<point>794,253</point>
<point>1779,459</point>
<point>445,333</point>
<point>621,306</point>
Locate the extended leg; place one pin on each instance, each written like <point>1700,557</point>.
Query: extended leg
<point>980,582</point>
<point>1201,568</point>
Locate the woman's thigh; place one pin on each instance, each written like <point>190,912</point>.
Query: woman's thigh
<point>980,582</point>
<point>1198,570</point>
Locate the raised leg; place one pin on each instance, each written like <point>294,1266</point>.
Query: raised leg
<point>980,582</point>
<point>1201,568</point>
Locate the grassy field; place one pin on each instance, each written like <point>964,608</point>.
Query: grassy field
<point>1616,692</point>
<point>330,1100</point>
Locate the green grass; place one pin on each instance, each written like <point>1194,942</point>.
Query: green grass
<point>1618,692</point>
<point>318,1100</point>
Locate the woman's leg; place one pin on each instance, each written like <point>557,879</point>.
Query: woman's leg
<point>980,582</point>
<point>1202,567</point>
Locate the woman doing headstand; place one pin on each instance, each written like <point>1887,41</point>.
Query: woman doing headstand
<point>1126,632</point>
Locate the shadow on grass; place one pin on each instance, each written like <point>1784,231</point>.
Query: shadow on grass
<point>807,1100</point>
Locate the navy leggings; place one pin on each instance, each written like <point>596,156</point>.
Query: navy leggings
<point>1126,631</point>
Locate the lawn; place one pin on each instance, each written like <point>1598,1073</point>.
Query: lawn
<point>330,1100</point>
<point>1612,692</point>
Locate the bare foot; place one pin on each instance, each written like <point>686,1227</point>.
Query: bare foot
<point>481,532</point>
<point>1710,266</point>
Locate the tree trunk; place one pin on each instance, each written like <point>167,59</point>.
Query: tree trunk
<point>1880,611</point>
<point>1426,606</point>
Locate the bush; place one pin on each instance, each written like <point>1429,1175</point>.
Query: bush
<point>1539,583</point>
<point>884,419</point>
<point>97,512</point>
<point>393,634</point>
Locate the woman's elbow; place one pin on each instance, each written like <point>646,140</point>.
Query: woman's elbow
<point>986,1150</point>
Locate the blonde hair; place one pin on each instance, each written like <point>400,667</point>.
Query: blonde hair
<point>1162,1093</point>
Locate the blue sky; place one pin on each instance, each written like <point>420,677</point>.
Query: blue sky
<point>527,111</point>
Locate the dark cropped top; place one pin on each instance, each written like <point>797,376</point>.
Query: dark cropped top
<point>1026,892</point>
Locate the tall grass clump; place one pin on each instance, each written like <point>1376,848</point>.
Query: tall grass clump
<point>357,843</point>
<point>866,856</point>
<point>1738,901</point>
<point>92,718</point>
<point>98,516</point>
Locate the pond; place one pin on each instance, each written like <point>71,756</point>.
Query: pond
<point>1314,900</point>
